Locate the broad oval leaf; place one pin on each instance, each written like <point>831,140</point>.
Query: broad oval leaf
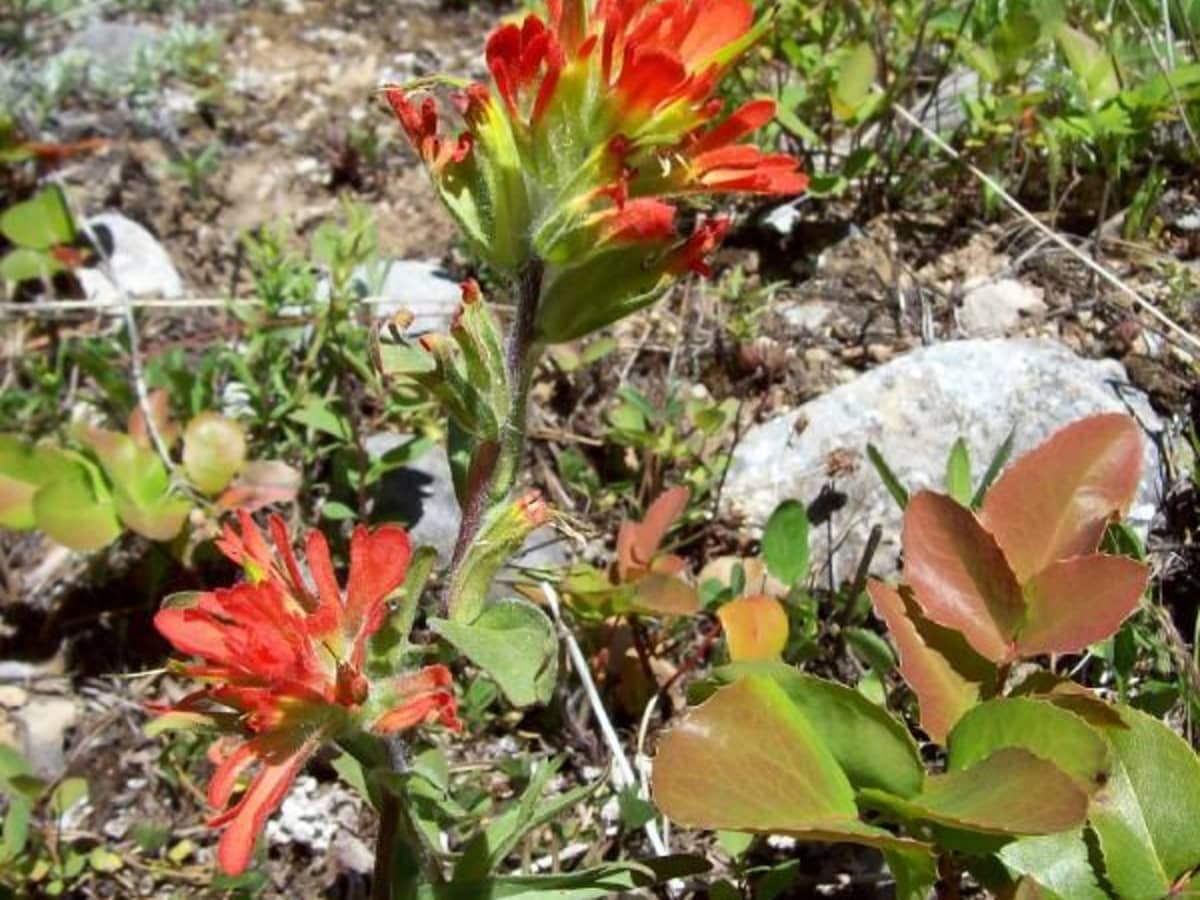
<point>756,628</point>
<point>1055,501</point>
<point>1074,603</point>
<point>785,542</point>
<point>25,467</point>
<point>872,747</point>
<point>76,510</point>
<point>747,759</point>
<point>1043,729</point>
<point>160,521</point>
<point>1059,862</point>
<point>1010,792</point>
<point>947,676</point>
<point>514,642</point>
<point>214,450</point>
<point>959,575</point>
<point>663,595</point>
<point>262,483</point>
<point>134,470</point>
<point>1146,816</point>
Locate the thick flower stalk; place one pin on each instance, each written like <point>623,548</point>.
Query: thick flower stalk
<point>594,126</point>
<point>284,667</point>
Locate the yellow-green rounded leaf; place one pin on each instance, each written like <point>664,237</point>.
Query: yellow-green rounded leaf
<point>214,450</point>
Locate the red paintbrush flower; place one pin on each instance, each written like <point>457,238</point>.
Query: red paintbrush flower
<point>284,666</point>
<point>591,109</point>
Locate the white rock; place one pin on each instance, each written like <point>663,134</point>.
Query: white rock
<point>419,286</point>
<point>114,47</point>
<point>807,316</point>
<point>139,263</point>
<point>44,722</point>
<point>913,409</point>
<point>996,307</point>
<point>308,814</point>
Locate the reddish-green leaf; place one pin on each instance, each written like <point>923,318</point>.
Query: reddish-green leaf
<point>947,676</point>
<point>872,747</point>
<point>1010,792</point>
<point>748,760</point>
<point>214,450</point>
<point>1055,501</point>
<point>1076,602</point>
<point>639,542</point>
<point>160,413</point>
<point>959,575</point>
<point>1043,729</point>
<point>261,484</point>
<point>664,595</point>
<point>756,628</point>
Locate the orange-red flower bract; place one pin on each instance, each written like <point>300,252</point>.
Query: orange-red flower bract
<point>591,111</point>
<point>284,666</point>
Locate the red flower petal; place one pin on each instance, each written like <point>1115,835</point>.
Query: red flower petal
<point>378,564</point>
<point>641,220</point>
<point>247,818</point>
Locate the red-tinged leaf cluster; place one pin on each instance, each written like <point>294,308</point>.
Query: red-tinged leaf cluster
<point>1022,578</point>
<point>283,665</point>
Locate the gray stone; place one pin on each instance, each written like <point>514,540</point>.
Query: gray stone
<point>420,495</point>
<point>137,262</point>
<point>418,286</point>
<point>43,725</point>
<point>913,409</point>
<point>807,316</point>
<point>996,307</point>
<point>114,47</point>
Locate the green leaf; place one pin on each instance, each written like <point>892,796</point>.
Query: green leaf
<point>1091,63</point>
<point>915,872</point>
<point>999,458</point>
<point>1059,862</point>
<point>785,542</point>
<point>317,415</point>
<point>887,476</point>
<point>77,509</point>
<point>1146,815</point>
<point>1043,729</point>
<point>24,468</point>
<point>1010,792</point>
<point>69,792</point>
<point>514,642</point>
<point>214,451</point>
<point>872,748</point>
<point>24,264</point>
<point>747,759</point>
<point>958,472</point>
<point>40,222</point>
<point>855,79</point>
<point>607,880</point>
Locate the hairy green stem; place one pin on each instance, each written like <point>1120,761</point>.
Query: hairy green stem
<point>492,484</point>
<point>402,861</point>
